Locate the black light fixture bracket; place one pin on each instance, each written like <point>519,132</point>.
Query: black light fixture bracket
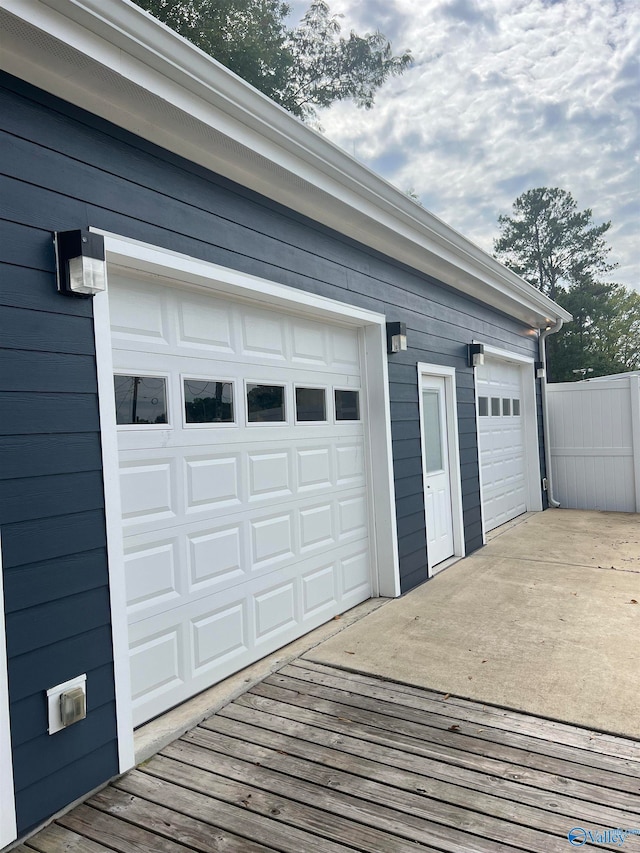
<point>80,263</point>
<point>475,355</point>
<point>396,337</point>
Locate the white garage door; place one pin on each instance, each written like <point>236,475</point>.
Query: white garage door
<point>502,450</point>
<point>242,467</point>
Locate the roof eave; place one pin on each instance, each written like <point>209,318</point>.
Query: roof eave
<point>169,92</point>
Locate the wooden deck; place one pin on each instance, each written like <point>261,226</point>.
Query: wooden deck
<point>322,760</point>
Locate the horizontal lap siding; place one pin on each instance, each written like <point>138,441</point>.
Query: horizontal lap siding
<point>62,169</point>
<point>53,534</point>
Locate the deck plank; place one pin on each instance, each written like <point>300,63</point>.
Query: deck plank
<point>501,799</point>
<point>442,713</point>
<point>171,823</point>
<point>317,758</point>
<point>404,790</point>
<point>429,767</point>
<point>516,721</point>
<point>459,736</point>
<point>239,819</point>
<point>450,828</point>
<point>281,809</point>
<point>415,748</point>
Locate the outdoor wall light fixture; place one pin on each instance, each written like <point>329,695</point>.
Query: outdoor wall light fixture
<point>539,367</point>
<point>80,262</point>
<point>396,337</point>
<point>475,355</point>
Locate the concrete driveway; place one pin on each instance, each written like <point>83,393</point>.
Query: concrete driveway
<point>544,619</point>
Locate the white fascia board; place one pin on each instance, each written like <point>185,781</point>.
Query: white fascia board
<point>313,176</point>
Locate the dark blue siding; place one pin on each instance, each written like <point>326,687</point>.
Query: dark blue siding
<point>61,168</point>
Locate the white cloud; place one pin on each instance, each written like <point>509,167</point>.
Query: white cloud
<point>505,95</point>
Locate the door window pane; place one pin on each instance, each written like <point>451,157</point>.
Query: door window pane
<point>265,403</point>
<point>432,431</point>
<point>495,407</point>
<point>140,399</point>
<point>506,406</point>
<point>483,406</point>
<point>311,404</point>
<point>516,407</point>
<point>347,405</point>
<point>208,402</point>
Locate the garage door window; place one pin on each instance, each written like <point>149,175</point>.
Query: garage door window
<point>516,407</point>
<point>265,403</point>
<point>495,407</point>
<point>506,406</point>
<point>140,400</point>
<point>208,402</point>
<point>347,405</point>
<point>483,407</point>
<point>311,405</point>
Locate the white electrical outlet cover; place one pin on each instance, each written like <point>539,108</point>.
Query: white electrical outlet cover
<point>53,700</point>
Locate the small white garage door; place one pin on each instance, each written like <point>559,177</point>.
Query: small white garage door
<point>244,497</point>
<point>502,449</point>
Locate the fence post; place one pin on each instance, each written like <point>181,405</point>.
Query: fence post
<point>634,391</point>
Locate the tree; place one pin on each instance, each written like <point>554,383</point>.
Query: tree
<point>604,336</point>
<point>552,244</point>
<point>559,250</point>
<point>300,68</point>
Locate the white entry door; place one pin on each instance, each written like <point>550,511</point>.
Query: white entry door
<point>437,474</point>
<point>245,502</point>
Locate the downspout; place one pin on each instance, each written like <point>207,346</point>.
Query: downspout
<point>551,330</point>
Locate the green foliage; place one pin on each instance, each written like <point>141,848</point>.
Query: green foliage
<point>330,68</point>
<point>604,337</point>
<point>300,68</point>
<point>247,37</point>
<point>559,250</point>
<point>550,243</point>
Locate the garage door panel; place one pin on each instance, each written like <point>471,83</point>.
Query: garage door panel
<point>213,637</point>
<point>501,439</point>
<point>238,536</point>
<point>158,490</point>
<point>203,324</point>
<point>148,491</point>
<point>212,482</point>
<point>225,554</point>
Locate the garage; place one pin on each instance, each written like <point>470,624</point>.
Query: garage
<point>242,449</point>
<point>502,446</point>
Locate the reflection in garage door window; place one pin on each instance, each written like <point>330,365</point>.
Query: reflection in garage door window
<point>140,399</point>
<point>516,407</point>
<point>208,402</point>
<point>265,403</point>
<point>347,405</point>
<point>506,406</point>
<point>310,404</point>
<point>495,407</point>
<point>483,406</point>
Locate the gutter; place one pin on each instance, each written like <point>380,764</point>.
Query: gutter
<point>550,330</point>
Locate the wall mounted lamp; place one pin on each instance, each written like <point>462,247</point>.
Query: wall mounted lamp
<point>475,355</point>
<point>396,337</point>
<point>539,368</point>
<point>80,262</point>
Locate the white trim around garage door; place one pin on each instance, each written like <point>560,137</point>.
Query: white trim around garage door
<point>182,270</point>
<point>449,376</point>
<point>8,829</point>
<point>530,426</point>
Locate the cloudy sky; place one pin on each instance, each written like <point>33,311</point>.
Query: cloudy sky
<point>505,96</point>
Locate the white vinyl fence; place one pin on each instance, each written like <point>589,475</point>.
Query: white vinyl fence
<point>595,443</point>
